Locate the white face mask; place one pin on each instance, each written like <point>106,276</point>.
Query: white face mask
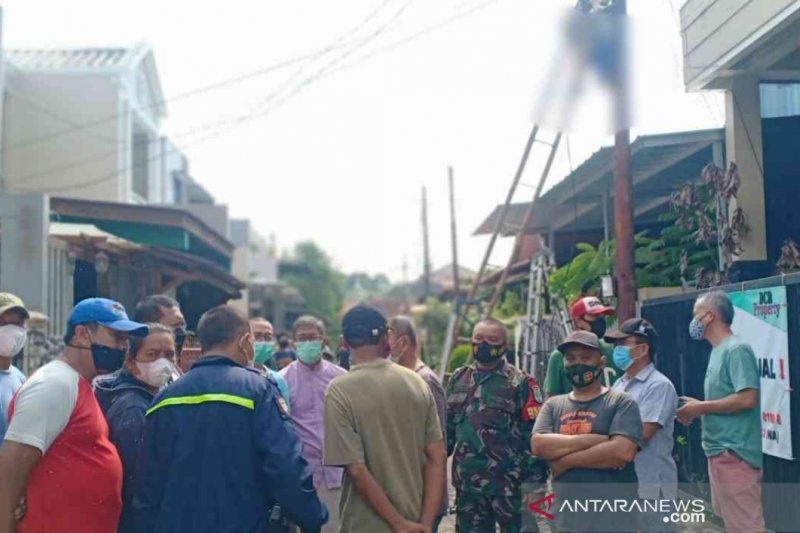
<point>157,373</point>
<point>12,340</point>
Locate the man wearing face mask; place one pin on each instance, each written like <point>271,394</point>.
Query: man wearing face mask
<point>308,378</point>
<point>57,453</point>
<point>160,308</point>
<point>264,337</point>
<point>635,346</point>
<point>124,397</point>
<point>13,337</point>
<point>588,314</point>
<point>590,438</point>
<point>491,408</point>
<point>730,414</point>
<point>219,449</point>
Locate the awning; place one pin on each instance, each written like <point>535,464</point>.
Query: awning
<point>171,265</point>
<point>659,165</point>
<point>167,226</point>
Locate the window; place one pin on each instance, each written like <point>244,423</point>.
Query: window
<point>780,100</point>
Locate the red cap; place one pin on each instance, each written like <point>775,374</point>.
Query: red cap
<point>591,305</point>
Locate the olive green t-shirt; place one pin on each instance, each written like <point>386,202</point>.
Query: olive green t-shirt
<point>732,368</point>
<point>380,415</point>
<point>556,382</point>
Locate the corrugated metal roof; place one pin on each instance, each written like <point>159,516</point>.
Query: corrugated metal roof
<point>68,58</point>
<point>650,154</point>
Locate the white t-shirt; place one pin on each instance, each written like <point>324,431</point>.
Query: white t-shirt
<point>44,405</point>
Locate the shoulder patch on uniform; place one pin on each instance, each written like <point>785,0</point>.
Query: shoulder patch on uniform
<point>536,391</point>
<point>535,399</point>
<point>282,406</point>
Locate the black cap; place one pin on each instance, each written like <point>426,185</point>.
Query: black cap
<point>583,338</point>
<point>634,326</point>
<point>363,322</point>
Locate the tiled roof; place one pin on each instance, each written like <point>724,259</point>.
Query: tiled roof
<point>68,58</point>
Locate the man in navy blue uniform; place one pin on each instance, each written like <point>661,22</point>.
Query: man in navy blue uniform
<point>219,448</point>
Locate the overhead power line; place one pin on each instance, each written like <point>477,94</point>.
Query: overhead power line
<point>235,121</point>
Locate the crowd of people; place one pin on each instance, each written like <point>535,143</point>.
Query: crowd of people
<point>142,426</point>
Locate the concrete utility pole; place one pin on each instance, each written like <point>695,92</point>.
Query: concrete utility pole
<point>453,237</point>
<point>426,258</point>
<point>623,187</point>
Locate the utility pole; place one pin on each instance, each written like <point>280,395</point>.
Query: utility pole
<point>623,185</point>
<point>426,258</point>
<point>454,238</point>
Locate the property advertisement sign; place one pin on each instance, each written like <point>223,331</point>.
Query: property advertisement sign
<point>761,320</point>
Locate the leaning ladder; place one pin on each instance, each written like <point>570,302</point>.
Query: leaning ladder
<point>536,346</point>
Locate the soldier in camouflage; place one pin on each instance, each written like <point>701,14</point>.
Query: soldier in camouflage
<point>491,409</point>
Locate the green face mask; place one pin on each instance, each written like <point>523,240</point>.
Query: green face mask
<point>582,375</point>
<point>309,352</point>
<point>263,352</point>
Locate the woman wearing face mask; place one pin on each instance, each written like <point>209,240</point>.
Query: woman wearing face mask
<point>125,395</point>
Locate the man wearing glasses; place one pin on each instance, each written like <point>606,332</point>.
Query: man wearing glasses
<point>635,348</point>
<point>307,379</point>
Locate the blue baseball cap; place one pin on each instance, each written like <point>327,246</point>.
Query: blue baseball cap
<point>107,313</point>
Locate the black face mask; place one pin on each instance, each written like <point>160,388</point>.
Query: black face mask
<point>581,375</point>
<point>107,359</point>
<point>598,327</point>
<point>486,353</point>
<point>179,334</point>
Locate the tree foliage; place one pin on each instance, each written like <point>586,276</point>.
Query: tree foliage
<point>688,247</point>
<point>320,283</point>
<point>592,263</point>
<point>361,283</point>
<point>432,324</point>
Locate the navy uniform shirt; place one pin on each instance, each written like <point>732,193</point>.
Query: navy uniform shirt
<point>219,451</point>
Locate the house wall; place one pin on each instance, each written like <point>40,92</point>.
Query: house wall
<point>716,32</point>
<point>84,163</point>
<point>241,266</point>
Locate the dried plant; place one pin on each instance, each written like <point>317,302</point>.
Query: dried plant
<point>790,257</point>
<point>706,231</point>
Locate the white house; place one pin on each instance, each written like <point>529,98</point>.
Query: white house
<point>751,50</point>
<point>85,123</point>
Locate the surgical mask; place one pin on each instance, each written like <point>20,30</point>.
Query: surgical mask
<point>107,359</point>
<point>486,353</point>
<point>12,340</point>
<point>309,352</point>
<point>582,375</point>
<point>622,357</point>
<point>264,351</point>
<point>598,327</point>
<point>696,329</point>
<point>157,373</point>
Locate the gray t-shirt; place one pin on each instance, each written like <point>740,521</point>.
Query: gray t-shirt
<point>425,372</point>
<point>611,413</point>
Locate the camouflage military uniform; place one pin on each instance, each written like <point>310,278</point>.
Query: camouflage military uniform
<point>490,416</point>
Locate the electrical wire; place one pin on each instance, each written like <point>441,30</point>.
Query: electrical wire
<point>75,126</point>
<point>712,112</point>
<point>248,117</point>
<point>234,121</point>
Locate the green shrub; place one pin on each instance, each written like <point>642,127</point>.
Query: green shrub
<point>458,357</point>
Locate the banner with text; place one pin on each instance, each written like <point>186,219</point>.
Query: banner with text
<point>761,320</point>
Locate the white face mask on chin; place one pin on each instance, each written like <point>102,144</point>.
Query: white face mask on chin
<point>157,373</point>
<point>12,340</point>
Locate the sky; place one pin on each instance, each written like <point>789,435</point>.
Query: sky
<point>386,96</point>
